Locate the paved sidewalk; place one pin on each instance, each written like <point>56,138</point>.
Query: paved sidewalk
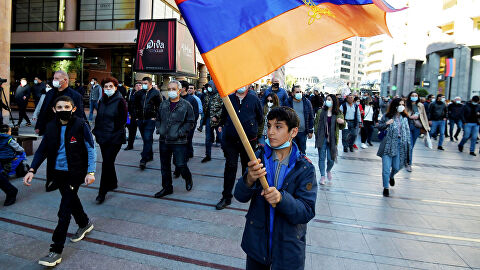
<point>431,220</point>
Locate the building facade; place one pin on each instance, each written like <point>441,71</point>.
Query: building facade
<point>349,61</point>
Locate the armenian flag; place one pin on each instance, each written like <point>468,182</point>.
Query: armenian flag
<point>450,67</point>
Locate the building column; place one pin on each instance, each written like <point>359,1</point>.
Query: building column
<point>393,80</point>
<point>460,83</point>
<point>400,77</point>
<point>409,77</point>
<point>5,38</point>
<point>203,76</point>
<point>145,12</point>
<point>433,66</point>
<point>70,15</point>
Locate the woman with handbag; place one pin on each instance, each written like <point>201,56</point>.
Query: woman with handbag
<point>396,146</point>
<point>417,120</point>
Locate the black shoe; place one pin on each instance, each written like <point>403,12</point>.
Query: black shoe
<point>370,144</point>
<point>100,199</point>
<point>460,148</point>
<point>163,193</point>
<point>392,181</point>
<point>143,164</point>
<point>190,155</point>
<point>351,149</point>
<point>223,203</point>
<point>456,137</point>
<point>11,199</point>
<point>28,124</point>
<point>188,184</point>
<point>440,148</point>
<point>200,129</point>
<point>206,159</point>
<point>386,192</point>
<point>176,173</point>
<point>128,148</point>
<point>345,150</point>
<point>451,139</point>
<point>473,154</point>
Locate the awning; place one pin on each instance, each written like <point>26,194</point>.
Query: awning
<point>45,53</point>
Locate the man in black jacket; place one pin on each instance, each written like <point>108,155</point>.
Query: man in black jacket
<point>38,89</point>
<point>132,126</point>
<point>455,113</point>
<point>147,102</point>
<point>174,121</point>
<point>69,149</point>
<point>471,120</point>
<point>21,97</point>
<point>60,88</point>
<point>184,94</point>
<point>437,114</point>
<point>250,112</point>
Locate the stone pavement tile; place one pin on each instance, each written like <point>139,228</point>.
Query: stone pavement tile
<point>9,262</point>
<point>327,262</point>
<point>454,224</point>
<point>470,255</point>
<point>352,242</point>
<point>341,211</point>
<point>356,264</point>
<point>382,246</point>
<point>322,238</point>
<point>381,266</point>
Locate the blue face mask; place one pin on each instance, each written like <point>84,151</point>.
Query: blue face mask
<point>241,90</point>
<point>144,86</point>
<point>298,96</point>
<point>414,99</point>
<point>285,145</point>
<point>210,89</point>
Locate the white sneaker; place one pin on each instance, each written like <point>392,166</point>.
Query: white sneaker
<point>322,180</point>
<point>364,146</point>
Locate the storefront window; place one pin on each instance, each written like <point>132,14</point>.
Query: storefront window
<point>107,14</point>
<point>37,15</point>
<point>161,10</point>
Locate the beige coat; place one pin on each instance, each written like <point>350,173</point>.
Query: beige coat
<point>423,116</point>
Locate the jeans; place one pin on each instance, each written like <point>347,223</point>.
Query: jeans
<point>147,127</point>
<point>108,180</point>
<point>452,123</point>
<point>190,142</point>
<point>70,205</point>
<point>208,138</point>
<point>93,105</point>
<point>470,131</point>
<point>367,131</point>
<point>231,150</point>
<point>5,184</point>
<point>414,134</point>
<point>132,132</point>
<point>179,152</point>
<point>301,141</point>
<point>325,154</point>
<point>390,166</point>
<point>349,135</point>
<point>438,126</point>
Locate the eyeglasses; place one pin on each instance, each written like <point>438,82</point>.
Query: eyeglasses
<point>270,100</point>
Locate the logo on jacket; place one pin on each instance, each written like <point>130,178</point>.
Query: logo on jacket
<point>73,140</point>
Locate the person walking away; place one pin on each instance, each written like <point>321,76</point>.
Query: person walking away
<point>147,102</point>
<point>132,126</point>
<point>292,189</point>
<point>95,95</point>
<point>353,118</point>
<point>38,89</point>
<point>174,121</point>
<point>109,133</point>
<point>249,110</point>
<point>328,123</point>
<point>9,148</point>
<point>437,115</point>
<point>368,123</point>
<point>396,145</point>
<point>417,121</point>
<point>212,108</point>
<point>455,114</point>
<point>302,106</point>
<point>471,118</point>
<point>22,94</point>
<point>272,102</point>
<point>70,151</point>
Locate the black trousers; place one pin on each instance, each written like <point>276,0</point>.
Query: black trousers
<point>254,265</point>
<point>231,151</point>
<point>22,113</point>
<point>5,184</point>
<point>367,131</point>
<point>190,142</point>
<point>178,151</point>
<point>132,132</point>
<point>108,181</point>
<point>70,205</point>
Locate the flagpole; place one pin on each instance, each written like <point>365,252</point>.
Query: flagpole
<point>243,137</point>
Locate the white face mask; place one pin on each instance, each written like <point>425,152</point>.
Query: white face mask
<point>23,83</point>
<point>109,92</point>
<point>269,104</point>
<point>443,99</point>
<point>35,81</point>
<point>56,84</point>
<point>92,83</point>
<point>400,108</point>
<point>329,103</point>
<point>358,102</point>
<point>172,94</point>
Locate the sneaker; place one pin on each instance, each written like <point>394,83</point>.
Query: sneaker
<point>364,146</point>
<point>51,259</point>
<point>81,232</point>
<point>370,144</point>
<point>11,198</point>
<point>200,129</point>
<point>206,159</point>
<point>329,176</point>
<point>351,149</point>
<point>456,137</point>
<point>386,192</point>
<point>322,180</point>
<point>223,203</point>
<point>440,148</point>
<point>355,146</point>
<point>460,148</point>
<point>28,125</point>
<point>451,139</point>
<point>345,150</point>
<point>408,168</point>
<point>473,154</point>
<point>143,165</point>
<point>392,181</point>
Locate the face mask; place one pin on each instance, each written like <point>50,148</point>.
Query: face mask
<point>35,81</point>
<point>64,115</point>
<point>92,83</point>
<point>298,96</point>
<point>48,89</point>
<point>241,90</point>
<point>172,94</point>
<point>269,104</point>
<point>400,108</point>
<point>144,86</point>
<point>358,102</point>
<point>120,84</point>
<point>458,101</point>
<point>329,103</point>
<point>109,92</point>
<point>474,103</point>
<point>23,83</point>
<point>432,100</point>
<point>443,99</point>
<point>56,84</point>
<point>205,91</point>
<point>414,99</point>
<point>210,89</point>
<point>276,85</point>
<point>285,145</point>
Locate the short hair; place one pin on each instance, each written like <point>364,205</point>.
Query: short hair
<point>4,128</point>
<point>64,98</point>
<point>148,79</point>
<point>296,86</point>
<point>475,98</point>
<point>179,85</point>
<point>23,79</point>
<point>138,82</point>
<point>184,84</point>
<point>430,96</point>
<point>191,85</point>
<point>64,74</point>
<point>440,95</point>
<point>95,79</point>
<point>109,80</point>
<point>286,114</point>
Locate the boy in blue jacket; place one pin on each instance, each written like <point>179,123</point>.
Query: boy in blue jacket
<point>275,237</point>
<point>8,149</point>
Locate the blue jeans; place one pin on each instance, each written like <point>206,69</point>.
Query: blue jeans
<point>390,166</point>
<point>438,126</point>
<point>470,131</point>
<point>179,152</point>
<point>93,105</point>
<point>325,154</point>
<point>301,141</point>
<point>414,134</point>
<point>147,127</point>
<point>452,123</point>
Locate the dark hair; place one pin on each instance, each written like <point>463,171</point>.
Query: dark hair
<point>286,114</point>
<point>185,84</point>
<point>356,98</point>
<point>4,128</point>
<point>475,98</point>
<point>138,82</point>
<point>440,95</point>
<point>95,79</point>
<point>429,96</point>
<point>392,108</point>
<point>109,80</point>
<point>408,102</point>
<point>295,86</point>
<point>64,98</point>
<point>335,105</point>
<point>191,84</point>
<point>148,79</point>
<point>274,97</point>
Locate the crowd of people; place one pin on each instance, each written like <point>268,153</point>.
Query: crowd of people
<point>277,123</point>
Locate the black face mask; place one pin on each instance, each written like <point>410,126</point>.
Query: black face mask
<point>64,115</point>
<point>275,85</point>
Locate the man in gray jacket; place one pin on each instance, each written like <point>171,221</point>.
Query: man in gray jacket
<point>95,95</point>
<point>175,119</point>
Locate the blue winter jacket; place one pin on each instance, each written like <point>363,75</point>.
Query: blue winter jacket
<point>307,111</point>
<point>281,94</point>
<point>6,152</point>
<point>291,215</point>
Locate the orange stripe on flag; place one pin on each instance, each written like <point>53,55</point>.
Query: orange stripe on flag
<point>270,45</point>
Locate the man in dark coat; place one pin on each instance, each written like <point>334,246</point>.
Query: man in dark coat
<point>21,97</point>
<point>38,89</point>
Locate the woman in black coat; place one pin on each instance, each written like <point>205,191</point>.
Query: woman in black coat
<point>109,133</point>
